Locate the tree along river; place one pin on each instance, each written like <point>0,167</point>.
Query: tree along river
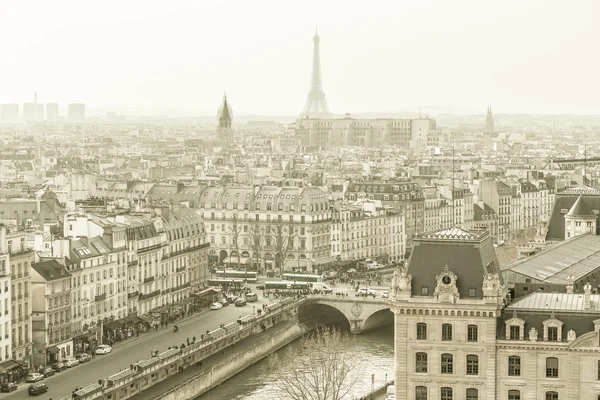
<point>255,383</point>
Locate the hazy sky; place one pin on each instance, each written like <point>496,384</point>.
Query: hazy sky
<point>519,56</point>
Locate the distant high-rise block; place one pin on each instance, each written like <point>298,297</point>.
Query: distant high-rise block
<point>9,112</point>
<point>52,112</point>
<point>28,111</point>
<point>76,112</point>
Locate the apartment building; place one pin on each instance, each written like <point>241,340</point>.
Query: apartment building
<point>499,197</point>
<point>366,229</point>
<point>5,296</point>
<point>21,259</point>
<point>51,312</point>
<point>274,227</point>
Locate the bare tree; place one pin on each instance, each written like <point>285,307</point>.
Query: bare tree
<point>235,229</point>
<point>256,236</point>
<point>324,366</point>
<point>282,236</point>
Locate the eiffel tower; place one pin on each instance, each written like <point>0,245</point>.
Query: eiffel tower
<point>316,105</point>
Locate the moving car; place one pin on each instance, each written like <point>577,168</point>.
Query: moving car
<point>216,306</point>
<point>231,299</point>
<point>385,294</point>
<point>250,297</point>
<point>103,349</point>
<point>364,292</point>
<point>240,302</point>
<point>34,377</point>
<point>8,387</point>
<point>224,302</point>
<point>83,357</point>
<point>37,388</point>
<point>71,362</point>
<point>47,372</point>
<point>59,367</point>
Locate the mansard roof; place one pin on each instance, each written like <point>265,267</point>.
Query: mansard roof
<point>563,203</point>
<point>467,253</point>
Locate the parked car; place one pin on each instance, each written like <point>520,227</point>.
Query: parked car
<point>232,299</point>
<point>34,377</point>
<point>240,302</point>
<point>47,372</point>
<point>59,367</point>
<point>224,302</point>
<point>37,388</point>
<point>71,362</point>
<point>216,306</point>
<point>260,287</point>
<point>385,294</point>
<point>83,357</point>
<point>103,349</point>
<point>8,387</point>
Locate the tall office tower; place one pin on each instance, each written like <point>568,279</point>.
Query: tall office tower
<point>316,105</point>
<point>9,112</point>
<point>225,115</point>
<point>29,111</point>
<point>76,112</point>
<point>489,121</point>
<point>52,112</point>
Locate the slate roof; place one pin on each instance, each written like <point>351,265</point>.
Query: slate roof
<point>564,201</point>
<point>467,253</point>
<point>51,270</point>
<point>578,257</point>
<point>537,307</point>
<point>580,209</point>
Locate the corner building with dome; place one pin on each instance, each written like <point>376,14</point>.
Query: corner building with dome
<point>459,335</point>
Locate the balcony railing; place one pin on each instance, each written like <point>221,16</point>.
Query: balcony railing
<point>187,250</point>
<point>132,294</point>
<point>180,269</point>
<point>132,263</point>
<point>149,295</point>
<point>180,287</point>
<point>149,279</point>
<point>149,248</point>
<point>100,297</point>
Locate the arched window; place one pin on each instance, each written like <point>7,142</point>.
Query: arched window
<point>447,363</point>
<point>421,393</point>
<point>421,362</point>
<point>446,393</point>
<point>551,368</point>
<point>551,396</point>
<point>472,364</point>
<point>514,395</point>
<point>472,394</point>
<point>447,332</point>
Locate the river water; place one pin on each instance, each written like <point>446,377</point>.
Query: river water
<point>255,383</point>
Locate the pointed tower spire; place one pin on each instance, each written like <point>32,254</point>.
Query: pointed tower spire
<point>489,120</point>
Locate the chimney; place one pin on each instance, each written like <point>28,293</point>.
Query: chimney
<point>570,284</point>
<point>587,290</point>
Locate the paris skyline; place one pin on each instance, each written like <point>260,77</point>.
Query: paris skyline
<point>387,57</point>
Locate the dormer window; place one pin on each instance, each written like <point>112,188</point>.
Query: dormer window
<point>515,328</point>
<point>552,329</point>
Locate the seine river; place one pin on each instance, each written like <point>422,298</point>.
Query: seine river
<point>255,383</point>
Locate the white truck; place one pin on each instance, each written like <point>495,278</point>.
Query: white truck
<point>321,286</point>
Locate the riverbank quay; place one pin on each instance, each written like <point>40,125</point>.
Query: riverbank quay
<point>378,393</point>
<point>218,368</point>
<point>141,375</point>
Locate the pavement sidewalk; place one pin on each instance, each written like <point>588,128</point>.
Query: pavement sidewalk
<point>193,370</point>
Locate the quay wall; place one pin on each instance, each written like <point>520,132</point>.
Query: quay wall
<point>233,365</point>
<point>147,373</point>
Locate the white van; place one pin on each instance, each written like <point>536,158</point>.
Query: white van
<point>250,297</point>
<point>321,286</point>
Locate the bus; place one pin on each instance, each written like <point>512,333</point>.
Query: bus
<point>249,276</point>
<point>302,278</point>
<point>227,283</point>
<point>286,285</point>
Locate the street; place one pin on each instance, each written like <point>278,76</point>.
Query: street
<point>134,349</point>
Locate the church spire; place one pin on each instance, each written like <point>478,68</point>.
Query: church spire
<point>489,120</point>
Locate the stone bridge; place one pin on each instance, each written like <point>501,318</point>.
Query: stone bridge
<point>360,313</point>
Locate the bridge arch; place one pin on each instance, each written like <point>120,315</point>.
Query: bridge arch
<point>314,314</point>
<point>377,319</point>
